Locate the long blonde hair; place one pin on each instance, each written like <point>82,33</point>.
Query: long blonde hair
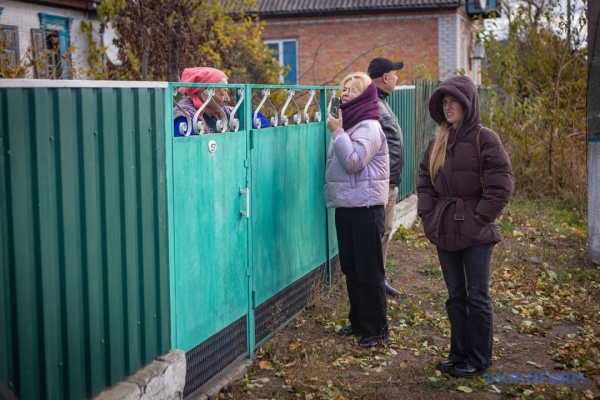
<point>438,153</point>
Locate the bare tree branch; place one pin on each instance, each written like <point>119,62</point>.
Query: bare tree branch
<point>361,55</point>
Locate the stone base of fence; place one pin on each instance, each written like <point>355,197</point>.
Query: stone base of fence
<point>405,213</point>
<point>163,379</point>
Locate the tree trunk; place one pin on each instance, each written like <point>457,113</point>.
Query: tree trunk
<point>173,57</point>
<point>145,54</point>
<point>593,134</point>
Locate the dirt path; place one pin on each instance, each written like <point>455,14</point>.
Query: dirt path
<point>547,318</point>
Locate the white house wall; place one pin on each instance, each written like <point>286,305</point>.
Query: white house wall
<point>448,44</point>
<point>451,27</point>
<point>26,16</point>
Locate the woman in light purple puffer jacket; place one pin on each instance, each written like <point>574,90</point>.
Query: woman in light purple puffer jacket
<point>357,187</point>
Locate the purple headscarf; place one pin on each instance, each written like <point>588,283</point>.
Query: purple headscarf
<point>365,106</point>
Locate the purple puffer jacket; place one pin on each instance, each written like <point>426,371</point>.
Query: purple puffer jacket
<point>358,167</point>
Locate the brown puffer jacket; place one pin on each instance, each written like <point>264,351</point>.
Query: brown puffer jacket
<point>456,213</point>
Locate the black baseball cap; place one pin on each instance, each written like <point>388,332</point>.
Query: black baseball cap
<point>379,66</point>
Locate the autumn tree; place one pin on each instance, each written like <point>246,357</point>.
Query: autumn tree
<point>538,107</point>
<point>157,39</point>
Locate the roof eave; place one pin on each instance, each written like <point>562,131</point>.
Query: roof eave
<point>296,14</point>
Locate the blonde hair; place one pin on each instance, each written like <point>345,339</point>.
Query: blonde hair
<point>360,79</point>
<point>438,153</point>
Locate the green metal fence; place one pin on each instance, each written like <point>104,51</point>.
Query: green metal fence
<point>424,125</point>
<point>402,102</point>
<point>120,241</point>
<point>83,270</point>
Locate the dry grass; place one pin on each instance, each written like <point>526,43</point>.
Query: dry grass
<point>546,320</point>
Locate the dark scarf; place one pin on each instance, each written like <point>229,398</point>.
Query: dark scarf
<point>361,108</point>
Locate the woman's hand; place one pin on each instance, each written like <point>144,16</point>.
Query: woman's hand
<point>333,123</point>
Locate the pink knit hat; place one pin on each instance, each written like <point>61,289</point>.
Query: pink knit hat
<point>199,75</point>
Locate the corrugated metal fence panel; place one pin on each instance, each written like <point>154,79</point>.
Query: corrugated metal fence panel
<point>289,224</point>
<point>424,125</point>
<point>402,102</point>
<point>84,247</point>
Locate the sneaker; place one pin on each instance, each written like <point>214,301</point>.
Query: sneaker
<point>465,370</point>
<point>447,365</point>
<point>348,331</point>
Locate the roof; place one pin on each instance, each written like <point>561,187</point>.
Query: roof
<point>304,8</point>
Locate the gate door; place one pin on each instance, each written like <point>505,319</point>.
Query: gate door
<point>209,247</point>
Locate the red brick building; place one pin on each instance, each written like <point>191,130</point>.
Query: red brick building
<point>321,41</point>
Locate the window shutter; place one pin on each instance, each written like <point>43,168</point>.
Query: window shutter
<point>38,38</point>
<point>10,39</point>
<point>63,42</point>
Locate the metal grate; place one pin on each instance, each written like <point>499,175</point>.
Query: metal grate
<point>336,269</point>
<point>273,313</point>
<point>214,355</point>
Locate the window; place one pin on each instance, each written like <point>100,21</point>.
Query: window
<point>287,55</point>
<point>9,42</point>
<point>50,45</point>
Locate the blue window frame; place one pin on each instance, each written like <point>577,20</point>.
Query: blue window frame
<point>287,55</point>
<point>50,44</point>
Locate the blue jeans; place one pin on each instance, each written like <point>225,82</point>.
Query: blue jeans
<point>469,305</point>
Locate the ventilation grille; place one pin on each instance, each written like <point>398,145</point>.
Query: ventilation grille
<point>336,270</point>
<point>214,355</point>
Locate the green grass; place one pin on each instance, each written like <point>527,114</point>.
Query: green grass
<point>553,214</point>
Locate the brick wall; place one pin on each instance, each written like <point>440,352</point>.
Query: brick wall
<point>25,17</point>
<point>424,41</point>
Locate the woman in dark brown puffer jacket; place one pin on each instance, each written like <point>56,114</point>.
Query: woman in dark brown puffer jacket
<point>458,216</point>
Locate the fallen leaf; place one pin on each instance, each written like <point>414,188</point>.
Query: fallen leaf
<point>295,345</point>
<point>265,365</point>
<point>465,389</point>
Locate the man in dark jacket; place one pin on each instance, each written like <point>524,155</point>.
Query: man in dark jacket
<point>383,73</point>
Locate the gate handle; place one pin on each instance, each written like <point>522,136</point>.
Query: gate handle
<point>247,193</point>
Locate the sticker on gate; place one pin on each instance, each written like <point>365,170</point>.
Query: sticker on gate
<point>212,147</point>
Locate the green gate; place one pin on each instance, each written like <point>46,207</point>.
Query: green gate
<point>210,236</point>
<point>288,176</point>
<point>209,207</point>
<point>249,233</point>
